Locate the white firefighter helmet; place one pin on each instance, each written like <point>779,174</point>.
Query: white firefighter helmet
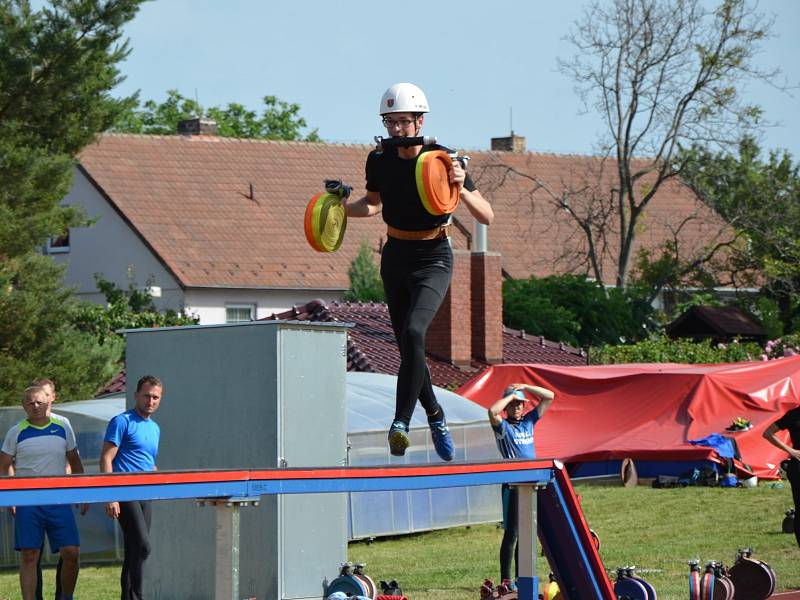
<point>404,97</point>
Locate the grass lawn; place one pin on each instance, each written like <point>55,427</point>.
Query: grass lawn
<point>656,530</point>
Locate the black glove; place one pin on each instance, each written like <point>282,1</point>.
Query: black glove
<point>337,188</point>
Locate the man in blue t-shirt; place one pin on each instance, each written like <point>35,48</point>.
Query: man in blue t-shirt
<point>131,445</point>
<point>514,437</point>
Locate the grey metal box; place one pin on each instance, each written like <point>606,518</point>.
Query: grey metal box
<point>251,395</point>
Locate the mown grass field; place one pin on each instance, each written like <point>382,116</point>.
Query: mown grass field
<point>656,530</point>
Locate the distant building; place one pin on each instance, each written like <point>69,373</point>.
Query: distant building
<point>215,225</point>
<point>716,323</point>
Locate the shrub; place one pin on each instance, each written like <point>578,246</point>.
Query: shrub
<point>661,349</point>
<point>365,278</point>
<point>575,310</point>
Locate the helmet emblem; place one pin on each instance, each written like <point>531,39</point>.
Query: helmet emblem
<point>390,102</point>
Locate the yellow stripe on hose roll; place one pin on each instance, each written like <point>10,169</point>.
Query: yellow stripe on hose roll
<point>334,220</point>
<point>421,171</point>
<point>316,216</point>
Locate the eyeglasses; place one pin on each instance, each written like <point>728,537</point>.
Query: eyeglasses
<point>402,123</point>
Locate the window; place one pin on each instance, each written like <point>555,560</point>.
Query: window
<point>239,313</point>
<point>58,244</point>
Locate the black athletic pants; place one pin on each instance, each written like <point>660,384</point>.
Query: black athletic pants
<point>509,549</point>
<point>793,475</point>
<point>134,519</point>
<point>416,275</point>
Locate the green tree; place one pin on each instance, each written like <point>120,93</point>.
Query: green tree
<point>760,199</point>
<point>574,310</point>
<point>38,339</point>
<point>278,120</point>
<point>665,268</point>
<point>695,299</point>
<point>768,312</point>
<point>124,309</point>
<point>58,66</point>
<point>366,284</point>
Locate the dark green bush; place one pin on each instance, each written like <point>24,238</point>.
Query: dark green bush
<point>575,310</point>
<point>661,349</point>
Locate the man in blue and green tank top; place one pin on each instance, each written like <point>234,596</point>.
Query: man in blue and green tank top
<point>43,444</point>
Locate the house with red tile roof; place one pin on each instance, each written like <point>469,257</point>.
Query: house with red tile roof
<point>215,225</point>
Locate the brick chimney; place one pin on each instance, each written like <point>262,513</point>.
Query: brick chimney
<point>469,323</point>
<point>487,306</point>
<point>450,334</point>
<point>197,126</point>
<point>512,143</point>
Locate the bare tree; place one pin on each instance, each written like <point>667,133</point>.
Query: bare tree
<point>545,202</point>
<point>572,202</point>
<point>663,74</point>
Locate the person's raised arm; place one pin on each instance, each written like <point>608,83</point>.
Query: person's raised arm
<point>545,396</point>
<point>478,206</point>
<point>366,206</point>
<point>770,435</point>
<point>496,409</point>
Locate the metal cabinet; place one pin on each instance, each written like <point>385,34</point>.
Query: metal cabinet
<point>251,395</point>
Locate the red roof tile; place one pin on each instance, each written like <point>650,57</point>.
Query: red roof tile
<point>115,386</point>
<point>537,237</point>
<point>371,346</point>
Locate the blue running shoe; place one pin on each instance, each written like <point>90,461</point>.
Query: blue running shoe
<point>442,440</point>
<point>398,438</point>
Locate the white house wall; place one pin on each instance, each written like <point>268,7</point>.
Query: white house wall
<point>111,248</point>
<point>210,304</point>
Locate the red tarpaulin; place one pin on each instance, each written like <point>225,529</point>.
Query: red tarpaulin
<point>648,412</point>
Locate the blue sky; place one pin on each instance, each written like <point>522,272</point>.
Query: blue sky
<point>484,66</point>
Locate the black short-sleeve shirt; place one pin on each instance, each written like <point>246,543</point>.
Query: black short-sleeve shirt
<point>395,179</point>
<point>791,421</point>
